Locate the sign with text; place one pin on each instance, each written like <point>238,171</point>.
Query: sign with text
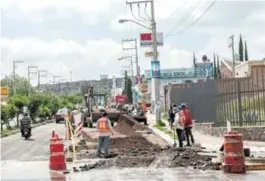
<point>4,91</point>
<point>155,69</point>
<point>147,41</point>
<point>150,54</point>
<point>204,70</point>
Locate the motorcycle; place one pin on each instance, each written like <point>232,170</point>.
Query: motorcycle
<point>26,133</point>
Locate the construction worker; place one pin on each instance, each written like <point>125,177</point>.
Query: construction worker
<point>105,130</point>
<point>188,124</point>
<point>178,124</point>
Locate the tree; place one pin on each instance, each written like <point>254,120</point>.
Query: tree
<point>241,49</point>
<point>7,112</point>
<point>129,91</point>
<point>246,51</point>
<point>125,83</point>
<point>21,84</point>
<point>35,100</point>
<point>19,101</point>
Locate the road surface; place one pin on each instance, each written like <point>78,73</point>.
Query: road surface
<point>15,147</point>
<point>29,160</point>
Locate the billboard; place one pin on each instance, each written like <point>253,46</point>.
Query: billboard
<point>121,99</point>
<point>4,92</point>
<point>155,69</point>
<point>150,54</point>
<point>204,70</point>
<point>147,41</point>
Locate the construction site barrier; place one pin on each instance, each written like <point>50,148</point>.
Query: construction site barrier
<point>234,159</point>
<point>79,129</point>
<point>70,136</point>
<point>57,157</point>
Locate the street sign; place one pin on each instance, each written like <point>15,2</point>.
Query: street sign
<point>155,69</point>
<point>147,41</point>
<point>4,92</point>
<point>150,54</point>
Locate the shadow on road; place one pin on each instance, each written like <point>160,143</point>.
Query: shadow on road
<point>30,139</point>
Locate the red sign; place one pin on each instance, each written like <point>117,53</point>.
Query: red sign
<point>145,36</point>
<point>121,99</point>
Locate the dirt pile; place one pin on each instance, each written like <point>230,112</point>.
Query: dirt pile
<point>132,142</point>
<point>128,127</point>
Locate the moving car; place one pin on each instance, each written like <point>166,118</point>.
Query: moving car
<point>59,116</point>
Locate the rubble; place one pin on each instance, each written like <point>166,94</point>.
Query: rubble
<point>134,150</point>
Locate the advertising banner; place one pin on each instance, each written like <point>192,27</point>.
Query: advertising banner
<point>147,41</point>
<point>4,92</point>
<point>150,54</point>
<point>121,99</point>
<point>155,69</point>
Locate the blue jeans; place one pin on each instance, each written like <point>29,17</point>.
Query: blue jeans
<point>103,142</point>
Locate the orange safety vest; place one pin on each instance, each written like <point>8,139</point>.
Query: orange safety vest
<point>103,125</point>
<point>181,118</point>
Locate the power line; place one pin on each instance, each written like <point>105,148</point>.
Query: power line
<point>198,19</point>
<point>185,18</point>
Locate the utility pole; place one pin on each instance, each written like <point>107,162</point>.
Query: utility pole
<point>231,45</point>
<point>14,74</point>
<point>41,75</point>
<point>136,52</point>
<point>70,76</point>
<point>29,73</point>
<point>54,78</point>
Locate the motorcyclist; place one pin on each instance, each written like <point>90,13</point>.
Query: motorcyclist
<point>25,122</point>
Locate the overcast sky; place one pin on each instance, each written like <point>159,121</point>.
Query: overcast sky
<point>84,36</point>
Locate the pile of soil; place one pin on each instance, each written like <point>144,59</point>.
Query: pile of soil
<point>131,142</point>
<point>128,127</point>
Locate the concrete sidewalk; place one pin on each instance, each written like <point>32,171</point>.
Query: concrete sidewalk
<point>208,141</point>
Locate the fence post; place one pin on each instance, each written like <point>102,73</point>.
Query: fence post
<point>239,103</point>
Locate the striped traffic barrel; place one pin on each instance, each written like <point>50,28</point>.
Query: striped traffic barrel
<point>234,159</point>
<point>57,157</point>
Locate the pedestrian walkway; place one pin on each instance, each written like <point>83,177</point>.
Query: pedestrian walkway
<point>208,141</point>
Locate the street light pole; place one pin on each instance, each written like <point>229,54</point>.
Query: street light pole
<point>136,52</point>
<point>233,54</point>
<point>41,75</point>
<point>29,73</point>
<point>14,74</point>
<point>131,62</point>
<point>70,76</point>
<point>155,80</point>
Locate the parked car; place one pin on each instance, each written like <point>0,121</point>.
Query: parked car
<point>61,113</point>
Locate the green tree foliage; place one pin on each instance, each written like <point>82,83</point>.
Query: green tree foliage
<point>19,101</point>
<point>21,84</point>
<point>241,49</point>
<point>246,51</point>
<point>7,112</point>
<point>129,91</point>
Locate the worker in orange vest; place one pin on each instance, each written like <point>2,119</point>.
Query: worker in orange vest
<point>105,130</point>
<point>179,126</point>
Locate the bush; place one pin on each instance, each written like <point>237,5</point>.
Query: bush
<point>160,123</point>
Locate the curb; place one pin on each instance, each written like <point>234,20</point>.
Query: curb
<point>166,138</point>
<point>33,126</point>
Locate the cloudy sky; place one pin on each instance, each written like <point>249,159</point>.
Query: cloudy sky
<point>84,36</point>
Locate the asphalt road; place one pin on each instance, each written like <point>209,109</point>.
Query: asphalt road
<point>15,147</point>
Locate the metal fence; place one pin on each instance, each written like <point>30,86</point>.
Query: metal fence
<point>239,100</point>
